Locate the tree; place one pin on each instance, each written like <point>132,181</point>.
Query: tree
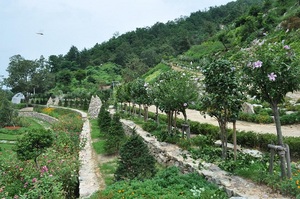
<point>223,96</point>
<point>20,73</point>
<point>140,96</point>
<point>272,72</point>
<point>174,91</point>
<point>135,161</point>
<point>115,136</point>
<point>33,143</point>
<point>7,112</point>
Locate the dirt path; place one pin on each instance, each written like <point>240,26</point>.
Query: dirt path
<point>287,130</point>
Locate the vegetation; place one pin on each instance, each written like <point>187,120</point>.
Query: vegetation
<point>250,42</point>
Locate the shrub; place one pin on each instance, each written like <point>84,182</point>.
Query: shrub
<point>33,143</point>
<point>114,136</point>
<point>135,161</point>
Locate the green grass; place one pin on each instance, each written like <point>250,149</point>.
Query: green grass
<point>9,137</point>
<point>95,131</point>
<point>108,169</point>
<point>6,146</point>
<point>99,146</point>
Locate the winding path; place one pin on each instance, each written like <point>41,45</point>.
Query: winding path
<point>287,130</point>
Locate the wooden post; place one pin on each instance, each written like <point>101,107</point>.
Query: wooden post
<point>288,161</point>
<point>186,129</point>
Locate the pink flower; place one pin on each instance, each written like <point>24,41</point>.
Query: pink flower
<point>257,64</point>
<point>44,169</point>
<point>287,47</point>
<point>34,180</point>
<point>272,76</point>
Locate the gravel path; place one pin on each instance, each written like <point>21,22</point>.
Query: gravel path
<point>287,130</point>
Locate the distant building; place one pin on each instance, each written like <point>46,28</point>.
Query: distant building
<point>17,98</point>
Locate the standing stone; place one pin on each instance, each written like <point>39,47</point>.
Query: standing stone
<point>94,107</point>
<point>247,108</point>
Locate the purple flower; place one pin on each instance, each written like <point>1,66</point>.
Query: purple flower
<point>287,47</point>
<point>272,76</point>
<point>185,104</point>
<point>257,64</point>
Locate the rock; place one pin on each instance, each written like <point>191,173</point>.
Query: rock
<point>248,108</point>
<point>94,107</point>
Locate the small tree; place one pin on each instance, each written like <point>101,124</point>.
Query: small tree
<point>272,72</point>
<point>7,113</point>
<point>174,92</point>
<point>115,136</point>
<point>135,161</point>
<point>223,97</point>
<point>104,119</point>
<point>33,143</point>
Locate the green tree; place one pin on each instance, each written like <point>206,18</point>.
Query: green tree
<point>272,72</point>
<point>174,91</point>
<point>115,136</point>
<point>135,161</point>
<point>140,96</point>
<point>33,143</point>
<point>20,73</point>
<point>7,113</point>
<point>222,98</point>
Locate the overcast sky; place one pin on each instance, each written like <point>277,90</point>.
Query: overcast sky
<point>81,23</point>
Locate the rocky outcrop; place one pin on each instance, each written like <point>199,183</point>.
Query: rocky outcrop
<point>94,107</point>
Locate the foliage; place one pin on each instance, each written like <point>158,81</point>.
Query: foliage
<point>168,183</point>
<point>33,143</point>
<point>115,136</point>
<point>8,116</point>
<point>223,96</point>
<point>135,161</point>
<point>28,76</point>
<point>57,176</point>
<point>104,119</point>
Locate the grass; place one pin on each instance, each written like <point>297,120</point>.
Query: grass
<point>99,146</point>
<point>108,169</point>
<point>6,146</point>
<point>95,131</point>
<point>9,137</point>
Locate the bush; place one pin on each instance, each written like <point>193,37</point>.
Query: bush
<point>114,136</point>
<point>33,143</point>
<point>135,161</point>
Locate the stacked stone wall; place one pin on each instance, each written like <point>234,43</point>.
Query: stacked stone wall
<point>41,116</point>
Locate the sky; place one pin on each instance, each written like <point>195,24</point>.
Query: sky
<point>81,23</point>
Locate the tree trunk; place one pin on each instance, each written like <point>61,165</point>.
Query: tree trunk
<point>140,111</point>
<point>234,139</point>
<point>156,115</point>
<point>169,122</point>
<point>223,136</point>
<point>145,113</point>
<point>274,107</point>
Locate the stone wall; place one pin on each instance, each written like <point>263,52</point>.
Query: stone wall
<point>171,155</point>
<point>41,116</point>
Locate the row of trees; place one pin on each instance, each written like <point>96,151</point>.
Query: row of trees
<point>269,73</point>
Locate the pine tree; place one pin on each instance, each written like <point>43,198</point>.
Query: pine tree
<point>135,161</point>
<point>114,136</point>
